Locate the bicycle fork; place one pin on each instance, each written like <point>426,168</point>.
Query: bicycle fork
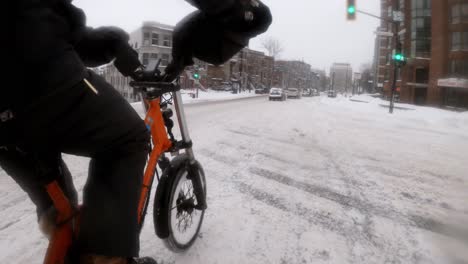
<point>192,168</point>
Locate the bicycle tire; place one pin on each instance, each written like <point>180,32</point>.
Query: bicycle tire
<point>172,242</point>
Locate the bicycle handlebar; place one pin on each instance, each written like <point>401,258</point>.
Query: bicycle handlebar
<point>155,89</point>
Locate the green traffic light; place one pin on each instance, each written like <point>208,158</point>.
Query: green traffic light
<point>196,76</point>
<point>399,57</point>
<point>351,9</point>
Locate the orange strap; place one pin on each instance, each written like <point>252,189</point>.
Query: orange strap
<point>63,234</point>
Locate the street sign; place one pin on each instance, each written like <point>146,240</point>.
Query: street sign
<point>453,82</point>
<point>398,16</point>
<point>383,33</point>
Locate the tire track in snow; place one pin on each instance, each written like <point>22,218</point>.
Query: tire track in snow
<point>358,233</point>
<point>366,208</point>
<point>354,232</point>
<point>9,224</point>
<point>362,231</point>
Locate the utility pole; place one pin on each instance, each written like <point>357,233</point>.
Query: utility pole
<point>196,77</point>
<point>333,81</point>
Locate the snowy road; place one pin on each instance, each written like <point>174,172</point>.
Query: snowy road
<point>315,180</point>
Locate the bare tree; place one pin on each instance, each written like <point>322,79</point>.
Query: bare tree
<point>273,46</point>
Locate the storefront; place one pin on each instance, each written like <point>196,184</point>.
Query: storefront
<point>454,92</point>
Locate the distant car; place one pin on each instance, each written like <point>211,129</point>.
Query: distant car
<point>316,92</point>
<point>277,94</point>
<point>307,92</point>
<point>332,93</point>
<point>261,90</point>
<point>294,92</point>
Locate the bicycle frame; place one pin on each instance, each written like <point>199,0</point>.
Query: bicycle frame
<point>161,143</point>
<point>68,217</point>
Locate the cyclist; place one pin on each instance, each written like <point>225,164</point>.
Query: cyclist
<point>57,105</point>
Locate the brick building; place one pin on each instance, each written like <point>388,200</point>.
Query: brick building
<point>293,74</point>
<point>434,35</point>
<point>250,67</point>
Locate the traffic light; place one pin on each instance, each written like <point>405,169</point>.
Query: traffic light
<point>196,75</point>
<point>398,56</point>
<point>351,9</point>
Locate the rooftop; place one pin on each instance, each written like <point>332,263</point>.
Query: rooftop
<point>158,25</point>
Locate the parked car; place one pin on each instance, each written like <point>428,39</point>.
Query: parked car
<point>316,92</point>
<point>294,92</point>
<point>277,94</point>
<point>332,93</point>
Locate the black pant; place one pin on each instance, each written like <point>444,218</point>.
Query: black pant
<point>103,126</point>
<point>22,166</point>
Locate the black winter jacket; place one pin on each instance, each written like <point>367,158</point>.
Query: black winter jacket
<point>52,48</point>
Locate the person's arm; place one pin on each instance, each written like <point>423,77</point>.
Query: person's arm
<point>100,45</point>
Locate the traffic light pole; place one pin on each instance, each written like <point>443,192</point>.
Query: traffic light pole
<point>395,65</point>
<point>372,15</point>
<point>395,71</point>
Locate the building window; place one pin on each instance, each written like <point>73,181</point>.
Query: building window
<point>459,13</point>
<point>154,56</point>
<point>146,38</point>
<point>456,40</point>
<point>167,41</point>
<point>421,28</point>
<point>465,40</point>
<point>145,59</point>
<point>459,41</point>
<point>154,39</point>
<point>458,68</point>
<point>164,59</point>
<point>401,7</point>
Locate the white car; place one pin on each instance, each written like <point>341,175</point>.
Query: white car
<point>294,92</point>
<point>277,94</point>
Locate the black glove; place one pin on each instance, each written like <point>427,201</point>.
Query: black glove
<point>101,45</point>
<point>212,7</point>
<point>215,37</point>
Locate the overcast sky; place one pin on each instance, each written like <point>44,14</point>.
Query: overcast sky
<point>315,31</point>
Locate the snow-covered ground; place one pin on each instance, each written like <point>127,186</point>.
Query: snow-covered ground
<point>212,95</point>
<point>316,180</point>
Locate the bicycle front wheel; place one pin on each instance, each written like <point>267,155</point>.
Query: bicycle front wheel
<point>184,220</point>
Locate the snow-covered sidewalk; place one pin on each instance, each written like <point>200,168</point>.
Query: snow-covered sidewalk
<point>211,95</point>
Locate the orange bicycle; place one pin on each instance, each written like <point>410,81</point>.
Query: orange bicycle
<point>180,199</point>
